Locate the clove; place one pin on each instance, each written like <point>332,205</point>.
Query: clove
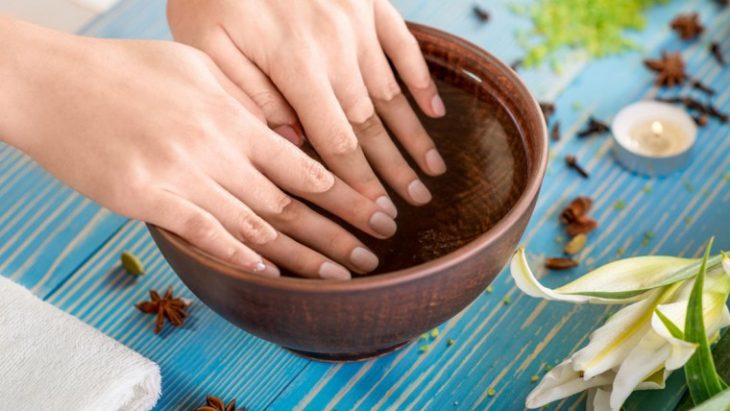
<point>698,85</point>
<point>547,109</point>
<point>594,126</point>
<point>701,120</point>
<point>716,52</point>
<point>560,263</point>
<point>555,131</point>
<point>572,162</point>
<point>481,14</point>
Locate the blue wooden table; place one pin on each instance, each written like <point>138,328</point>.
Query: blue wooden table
<point>66,249</point>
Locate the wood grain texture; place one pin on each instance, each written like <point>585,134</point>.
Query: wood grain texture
<point>496,345</point>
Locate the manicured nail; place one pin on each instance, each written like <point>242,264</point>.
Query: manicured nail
<point>438,106</point>
<point>290,134</point>
<point>267,269</point>
<point>382,224</point>
<point>387,205</point>
<point>434,162</point>
<point>418,192</point>
<point>363,259</point>
<point>331,271</point>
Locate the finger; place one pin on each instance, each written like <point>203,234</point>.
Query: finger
<point>287,165</point>
<point>202,230</point>
<point>388,161</point>
<point>297,220</point>
<point>255,84</point>
<point>301,260</point>
<point>330,132</point>
<point>402,48</point>
<point>235,216</point>
<point>392,106</point>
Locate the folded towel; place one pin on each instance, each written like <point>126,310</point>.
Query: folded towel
<point>50,360</point>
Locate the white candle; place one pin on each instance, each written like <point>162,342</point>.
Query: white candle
<point>652,137</point>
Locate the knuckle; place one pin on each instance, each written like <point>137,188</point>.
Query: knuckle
<point>360,111</point>
<point>291,212</point>
<point>200,228</point>
<point>318,178</point>
<point>389,92</point>
<point>279,203</point>
<point>255,230</point>
<point>342,141</point>
<point>267,100</point>
<point>370,128</point>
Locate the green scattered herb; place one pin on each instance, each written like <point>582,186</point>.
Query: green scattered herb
<point>688,185</point>
<point>491,392</point>
<point>646,189</point>
<point>701,375</point>
<point>576,105</point>
<point>727,176</point>
<point>132,264</point>
<point>619,205</point>
<point>450,342</point>
<point>489,289</point>
<point>424,348</point>
<point>559,239</point>
<point>534,378</point>
<point>620,251</point>
<point>434,333</point>
<point>596,26</point>
<point>507,299</point>
<point>688,220</point>
<point>423,337</point>
<point>648,236</point>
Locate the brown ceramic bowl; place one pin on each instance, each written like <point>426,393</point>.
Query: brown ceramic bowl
<point>371,315</point>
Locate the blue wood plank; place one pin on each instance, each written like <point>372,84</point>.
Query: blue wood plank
<point>497,345</point>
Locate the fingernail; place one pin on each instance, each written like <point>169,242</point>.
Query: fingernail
<point>269,270</point>
<point>418,192</point>
<point>434,162</point>
<point>364,259</point>
<point>289,133</point>
<point>387,205</point>
<point>331,271</point>
<point>438,106</point>
<point>382,224</point>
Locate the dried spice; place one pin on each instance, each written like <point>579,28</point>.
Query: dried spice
<point>555,131</point>
<point>507,299</point>
<point>216,404</point>
<point>688,26</point>
<point>698,85</point>
<point>547,109</point>
<point>131,263</point>
<point>716,52</point>
<point>669,69</point>
<point>480,13</point>
<point>575,244</point>
<point>696,105</point>
<point>701,120</point>
<point>560,263</point>
<point>582,225</point>
<point>594,126</point>
<point>576,209</point>
<point>166,307</point>
<point>572,162</point>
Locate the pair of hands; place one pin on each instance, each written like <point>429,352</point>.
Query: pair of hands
<point>183,139</point>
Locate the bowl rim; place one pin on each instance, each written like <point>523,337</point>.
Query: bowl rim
<point>357,284</point>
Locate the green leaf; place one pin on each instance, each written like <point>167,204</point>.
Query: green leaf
<point>719,402</point>
<point>673,329</point>
<point>702,379</point>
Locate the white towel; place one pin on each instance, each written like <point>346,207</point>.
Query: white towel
<point>50,360</point>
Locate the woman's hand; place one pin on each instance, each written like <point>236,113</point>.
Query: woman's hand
<point>327,58</point>
<point>154,131</point>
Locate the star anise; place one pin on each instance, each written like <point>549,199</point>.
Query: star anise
<point>165,307</point>
<point>216,404</point>
<point>688,26</point>
<point>669,69</point>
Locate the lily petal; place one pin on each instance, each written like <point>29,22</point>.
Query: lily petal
<point>726,263</point>
<point>563,381</point>
<point>598,400</point>
<point>611,343</point>
<point>618,282</point>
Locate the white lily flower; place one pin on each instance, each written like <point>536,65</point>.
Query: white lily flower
<point>623,280</point>
<point>633,350</point>
<point>726,263</point>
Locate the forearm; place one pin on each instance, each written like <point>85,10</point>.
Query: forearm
<point>33,58</point>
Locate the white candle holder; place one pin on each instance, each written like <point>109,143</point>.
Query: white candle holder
<point>653,138</point>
